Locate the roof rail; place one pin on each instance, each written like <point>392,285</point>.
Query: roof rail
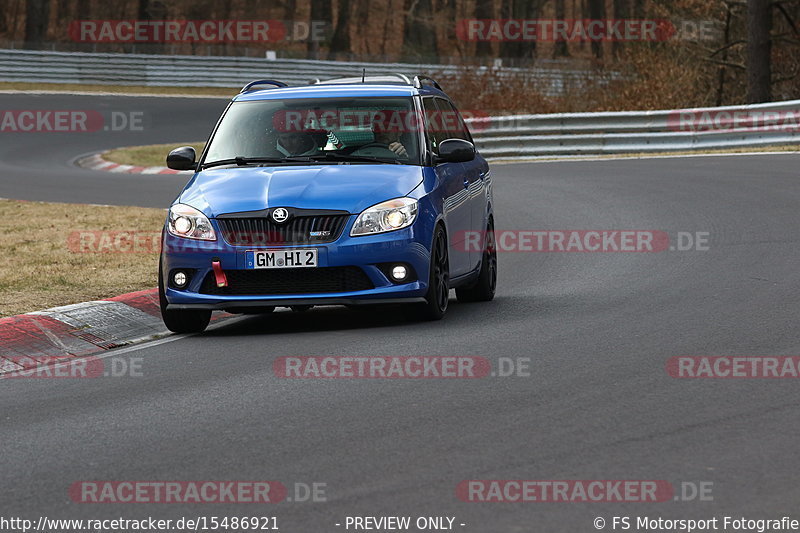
<point>378,78</point>
<point>262,82</point>
<point>419,82</point>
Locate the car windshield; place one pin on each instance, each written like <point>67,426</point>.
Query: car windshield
<point>358,129</point>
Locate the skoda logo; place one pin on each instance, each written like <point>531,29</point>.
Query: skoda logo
<point>280,215</point>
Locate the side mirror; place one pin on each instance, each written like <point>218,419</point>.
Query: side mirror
<point>182,158</point>
<point>455,151</point>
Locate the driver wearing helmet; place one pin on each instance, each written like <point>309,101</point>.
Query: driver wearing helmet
<point>293,141</point>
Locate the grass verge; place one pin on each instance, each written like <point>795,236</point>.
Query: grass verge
<point>153,155</point>
<point>60,254</point>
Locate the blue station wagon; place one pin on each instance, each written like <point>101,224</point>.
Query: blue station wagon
<point>352,191</point>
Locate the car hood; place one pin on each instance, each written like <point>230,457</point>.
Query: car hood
<point>350,188</point>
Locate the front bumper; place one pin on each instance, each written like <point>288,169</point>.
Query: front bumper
<point>409,245</point>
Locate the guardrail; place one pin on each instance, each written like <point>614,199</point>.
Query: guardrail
<point>214,71</point>
<point>522,137</point>
<point>500,137</point>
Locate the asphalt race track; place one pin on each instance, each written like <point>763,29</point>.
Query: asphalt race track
<point>39,165</point>
<point>598,328</point>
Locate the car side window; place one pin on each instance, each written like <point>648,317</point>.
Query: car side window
<point>451,121</point>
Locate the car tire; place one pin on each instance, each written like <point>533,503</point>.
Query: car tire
<point>183,321</point>
<point>438,295</point>
<point>484,288</point>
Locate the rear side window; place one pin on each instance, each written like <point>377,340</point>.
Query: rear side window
<point>432,129</point>
<point>452,122</point>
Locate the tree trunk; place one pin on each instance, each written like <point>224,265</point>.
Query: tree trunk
<point>320,11</point>
<point>484,9</point>
<point>725,42</point>
<point>597,11</point>
<point>3,22</point>
<point>622,10</point>
<point>362,24</point>
<point>142,11</point>
<point>759,51</point>
<point>520,52</point>
<point>639,9</point>
<point>419,34</point>
<point>449,11</point>
<point>561,48</point>
<point>14,17</point>
<point>37,14</point>
<point>386,33</point>
<point>340,42</point>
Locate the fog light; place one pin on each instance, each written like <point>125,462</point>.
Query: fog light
<point>179,279</point>
<point>399,273</point>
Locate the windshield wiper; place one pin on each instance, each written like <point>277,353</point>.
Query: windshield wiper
<point>333,156</point>
<point>244,161</point>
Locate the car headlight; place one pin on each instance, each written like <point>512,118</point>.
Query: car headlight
<point>187,222</point>
<point>386,216</point>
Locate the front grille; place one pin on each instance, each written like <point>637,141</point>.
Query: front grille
<point>289,281</point>
<point>262,231</point>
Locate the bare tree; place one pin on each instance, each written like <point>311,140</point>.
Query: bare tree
<point>362,24</point>
<point>639,9</point>
<point>449,12</point>
<point>37,15</point>
<point>520,51</point>
<point>726,38</point>
<point>340,42</point>
<point>597,11</point>
<point>419,34</point>
<point>561,48</point>
<point>622,10</point>
<point>289,9</point>
<point>320,11</point>
<point>484,9</point>
<point>4,15</point>
<point>759,51</point>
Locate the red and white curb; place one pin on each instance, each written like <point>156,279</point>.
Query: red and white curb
<point>65,333</point>
<point>96,162</point>
<point>78,330</point>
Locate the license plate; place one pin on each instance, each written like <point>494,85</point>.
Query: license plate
<point>281,258</point>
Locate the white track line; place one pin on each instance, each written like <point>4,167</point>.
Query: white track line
<point>580,159</point>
